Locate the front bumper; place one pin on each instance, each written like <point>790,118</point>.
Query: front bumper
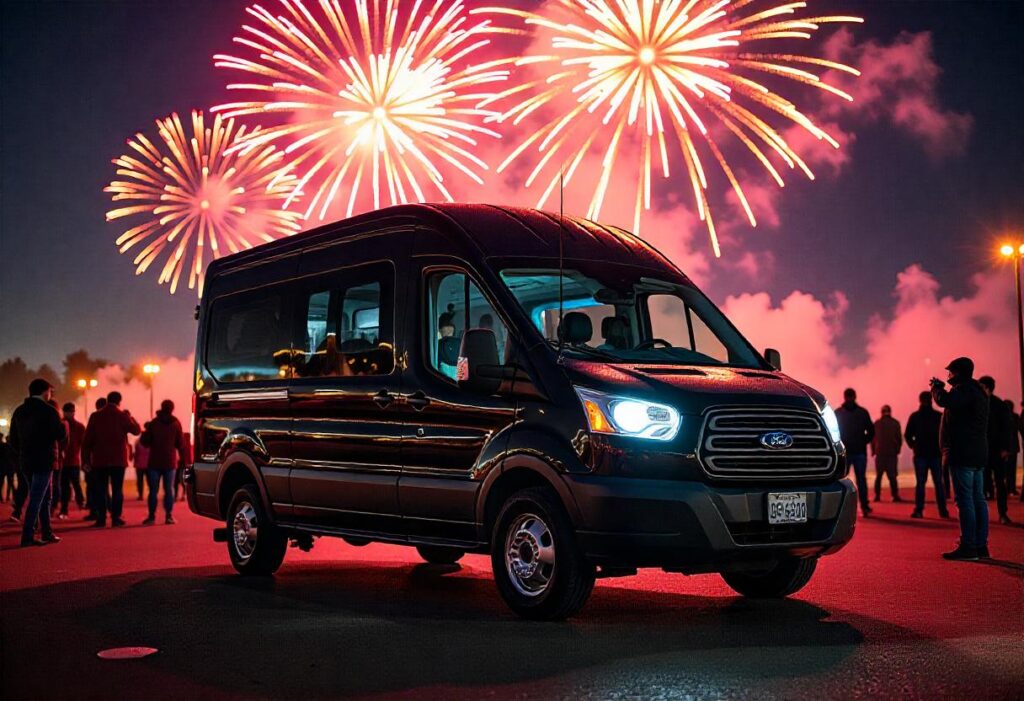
<point>696,527</point>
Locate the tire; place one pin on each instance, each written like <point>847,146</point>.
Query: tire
<point>254,545</point>
<point>786,577</point>
<point>554,580</point>
<point>440,555</point>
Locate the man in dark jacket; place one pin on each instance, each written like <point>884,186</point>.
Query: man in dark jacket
<point>91,489</point>
<point>1014,446</point>
<point>1000,442</point>
<point>166,452</point>
<point>963,436</point>
<point>106,443</point>
<point>857,431</point>
<point>36,433</point>
<point>922,436</point>
<point>886,447</point>
<point>70,473</point>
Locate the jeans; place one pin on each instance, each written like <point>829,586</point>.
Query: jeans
<point>859,463</point>
<point>923,466</point>
<point>154,478</point>
<point>70,480</point>
<point>38,506</point>
<point>886,465</point>
<point>968,485</point>
<point>112,477</point>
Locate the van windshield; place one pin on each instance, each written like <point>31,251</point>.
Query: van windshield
<point>621,313</point>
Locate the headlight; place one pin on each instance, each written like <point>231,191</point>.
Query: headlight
<point>625,416</point>
<point>831,423</point>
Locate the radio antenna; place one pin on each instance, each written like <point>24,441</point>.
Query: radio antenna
<point>561,258</point>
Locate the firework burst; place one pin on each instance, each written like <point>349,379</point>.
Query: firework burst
<point>663,74</point>
<point>196,193</point>
<point>388,100</point>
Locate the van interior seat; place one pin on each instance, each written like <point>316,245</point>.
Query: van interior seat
<point>575,328</point>
<point>615,330</point>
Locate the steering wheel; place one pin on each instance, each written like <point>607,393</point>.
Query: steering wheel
<point>650,343</point>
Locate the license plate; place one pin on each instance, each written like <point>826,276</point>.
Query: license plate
<point>790,507</point>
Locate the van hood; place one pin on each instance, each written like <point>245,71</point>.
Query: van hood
<point>691,388</point>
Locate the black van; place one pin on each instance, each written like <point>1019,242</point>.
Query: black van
<point>482,379</point>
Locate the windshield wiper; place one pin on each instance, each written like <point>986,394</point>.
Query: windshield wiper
<point>587,350</point>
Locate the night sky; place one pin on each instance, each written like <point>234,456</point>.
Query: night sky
<point>80,77</point>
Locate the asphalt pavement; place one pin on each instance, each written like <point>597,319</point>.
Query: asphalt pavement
<point>884,618</point>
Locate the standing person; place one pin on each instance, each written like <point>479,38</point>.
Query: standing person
<point>166,453</point>
<point>1015,431</point>
<point>1000,440</point>
<point>886,447</point>
<point>857,431</point>
<point>106,442</point>
<point>91,490</point>
<point>140,461</point>
<point>963,436</point>
<point>36,433</point>
<point>6,471</point>
<point>922,436</point>
<point>70,473</point>
<point>58,467</point>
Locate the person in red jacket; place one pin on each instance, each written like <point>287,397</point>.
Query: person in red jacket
<point>106,444</point>
<point>70,473</point>
<point>166,444</point>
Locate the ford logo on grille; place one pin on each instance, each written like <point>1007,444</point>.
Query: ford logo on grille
<point>777,440</point>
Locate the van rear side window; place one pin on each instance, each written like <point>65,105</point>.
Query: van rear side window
<point>249,337</point>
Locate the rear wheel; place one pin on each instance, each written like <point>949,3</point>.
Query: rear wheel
<point>255,546</point>
<point>787,577</point>
<point>538,566</point>
<point>440,555</point>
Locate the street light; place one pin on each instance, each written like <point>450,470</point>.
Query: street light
<point>85,385</point>
<point>150,370</point>
<point>1016,251</point>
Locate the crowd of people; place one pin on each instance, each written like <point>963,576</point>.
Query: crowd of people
<point>970,450</point>
<point>49,452</point>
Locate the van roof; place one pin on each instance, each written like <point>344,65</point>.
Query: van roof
<point>496,231</point>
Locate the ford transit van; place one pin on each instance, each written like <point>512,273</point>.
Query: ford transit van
<point>479,379</point>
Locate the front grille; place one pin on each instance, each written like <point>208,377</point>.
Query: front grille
<point>731,448</point>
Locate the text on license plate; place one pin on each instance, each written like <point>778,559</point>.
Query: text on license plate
<point>789,507</point>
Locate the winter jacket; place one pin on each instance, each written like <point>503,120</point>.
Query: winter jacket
<point>73,449</point>
<point>36,433</point>
<point>963,433</point>
<point>106,437</point>
<point>888,440</point>
<point>922,433</point>
<point>166,442</point>
<point>855,427</point>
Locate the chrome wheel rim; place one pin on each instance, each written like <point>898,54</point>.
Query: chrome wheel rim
<point>244,529</point>
<point>530,555</point>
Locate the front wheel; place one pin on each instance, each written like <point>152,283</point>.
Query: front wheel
<point>538,567</point>
<point>255,546</point>
<point>787,577</point>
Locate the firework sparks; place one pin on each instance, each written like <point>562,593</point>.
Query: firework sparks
<point>195,192</point>
<point>665,74</point>
<point>382,99</point>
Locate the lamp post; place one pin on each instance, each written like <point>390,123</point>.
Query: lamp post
<point>1016,252</point>
<point>85,385</point>
<point>150,370</point>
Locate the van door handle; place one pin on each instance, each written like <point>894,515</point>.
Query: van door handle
<point>383,399</point>
<point>418,400</point>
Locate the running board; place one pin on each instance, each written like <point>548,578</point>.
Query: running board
<point>374,536</point>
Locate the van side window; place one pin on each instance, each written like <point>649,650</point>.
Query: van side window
<point>249,337</point>
<point>454,304</point>
<point>348,326</point>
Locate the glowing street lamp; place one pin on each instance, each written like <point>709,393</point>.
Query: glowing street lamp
<point>85,385</point>
<point>150,370</point>
<point>1016,252</point>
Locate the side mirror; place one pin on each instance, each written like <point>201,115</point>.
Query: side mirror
<point>773,357</point>
<point>479,348</point>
